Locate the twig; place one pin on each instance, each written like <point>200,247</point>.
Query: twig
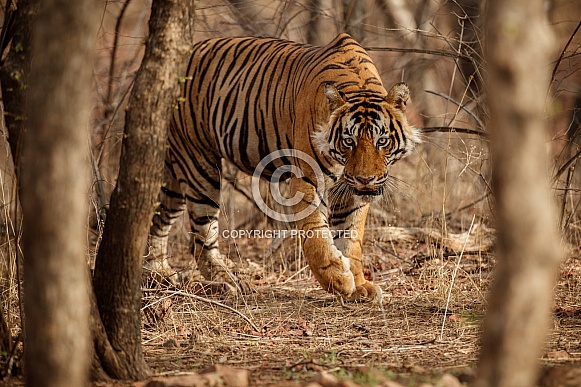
<point>98,182</point>
<point>424,258</point>
<point>460,105</point>
<point>454,277</point>
<point>455,69</point>
<point>563,52</point>
<point>114,52</point>
<point>112,118</point>
<point>207,300</point>
<point>573,212</point>
<point>444,129</point>
<point>386,250</point>
<point>467,166</point>
<point>449,54</point>
<point>295,274</point>
<point>567,185</point>
<point>449,214</point>
<point>566,166</point>
<point>7,28</point>
<point>471,204</point>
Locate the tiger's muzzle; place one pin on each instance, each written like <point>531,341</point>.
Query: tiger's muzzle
<point>366,186</point>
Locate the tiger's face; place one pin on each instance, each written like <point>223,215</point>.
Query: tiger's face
<point>365,135</point>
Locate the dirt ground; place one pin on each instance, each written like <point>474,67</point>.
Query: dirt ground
<point>289,329</point>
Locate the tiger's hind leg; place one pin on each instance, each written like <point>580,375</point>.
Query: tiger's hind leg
<point>171,206</point>
<point>203,204</point>
<point>348,221</point>
<point>203,212</point>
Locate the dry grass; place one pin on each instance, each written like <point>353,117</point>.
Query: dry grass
<point>289,329</point>
<point>292,329</point>
<point>297,329</point>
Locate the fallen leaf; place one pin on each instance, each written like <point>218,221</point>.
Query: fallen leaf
<point>456,318</point>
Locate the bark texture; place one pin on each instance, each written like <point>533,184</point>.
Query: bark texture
<point>117,276</point>
<point>519,44</point>
<point>54,187</point>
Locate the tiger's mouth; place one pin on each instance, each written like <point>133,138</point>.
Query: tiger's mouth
<point>364,186</point>
<point>368,191</point>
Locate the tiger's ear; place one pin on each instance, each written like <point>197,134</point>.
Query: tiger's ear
<point>335,97</point>
<point>399,95</point>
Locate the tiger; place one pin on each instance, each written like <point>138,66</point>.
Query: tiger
<point>243,98</point>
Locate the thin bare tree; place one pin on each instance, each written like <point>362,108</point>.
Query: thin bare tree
<point>117,275</point>
<point>519,42</point>
<point>54,186</point>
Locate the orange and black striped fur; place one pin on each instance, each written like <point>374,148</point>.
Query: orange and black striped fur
<point>244,98</point>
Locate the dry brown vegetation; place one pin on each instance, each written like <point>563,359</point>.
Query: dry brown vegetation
<point>429,244</point>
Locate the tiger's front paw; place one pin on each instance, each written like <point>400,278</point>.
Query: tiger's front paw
<point>368,291</point>
<point>343,284</point>
<point>335,276</point>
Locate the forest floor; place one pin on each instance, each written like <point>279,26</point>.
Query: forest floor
<point>289,330</point>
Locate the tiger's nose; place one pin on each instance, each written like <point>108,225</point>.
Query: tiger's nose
<point>364,179</point>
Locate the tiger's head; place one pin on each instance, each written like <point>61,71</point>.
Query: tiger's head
<point>365,134</point>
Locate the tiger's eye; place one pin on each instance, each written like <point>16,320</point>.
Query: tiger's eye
<point>382,141</point>
<point>348,142</point>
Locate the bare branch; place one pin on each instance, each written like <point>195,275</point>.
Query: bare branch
<point>445,129</point>
<point>563,52</point>
<point>460,105</point>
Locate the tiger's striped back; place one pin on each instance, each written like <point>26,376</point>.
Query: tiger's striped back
<point>245,94</point>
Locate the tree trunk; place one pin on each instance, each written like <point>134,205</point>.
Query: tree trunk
<point>518,48</point>
<point>54,186</point>
<point>117,275</point>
